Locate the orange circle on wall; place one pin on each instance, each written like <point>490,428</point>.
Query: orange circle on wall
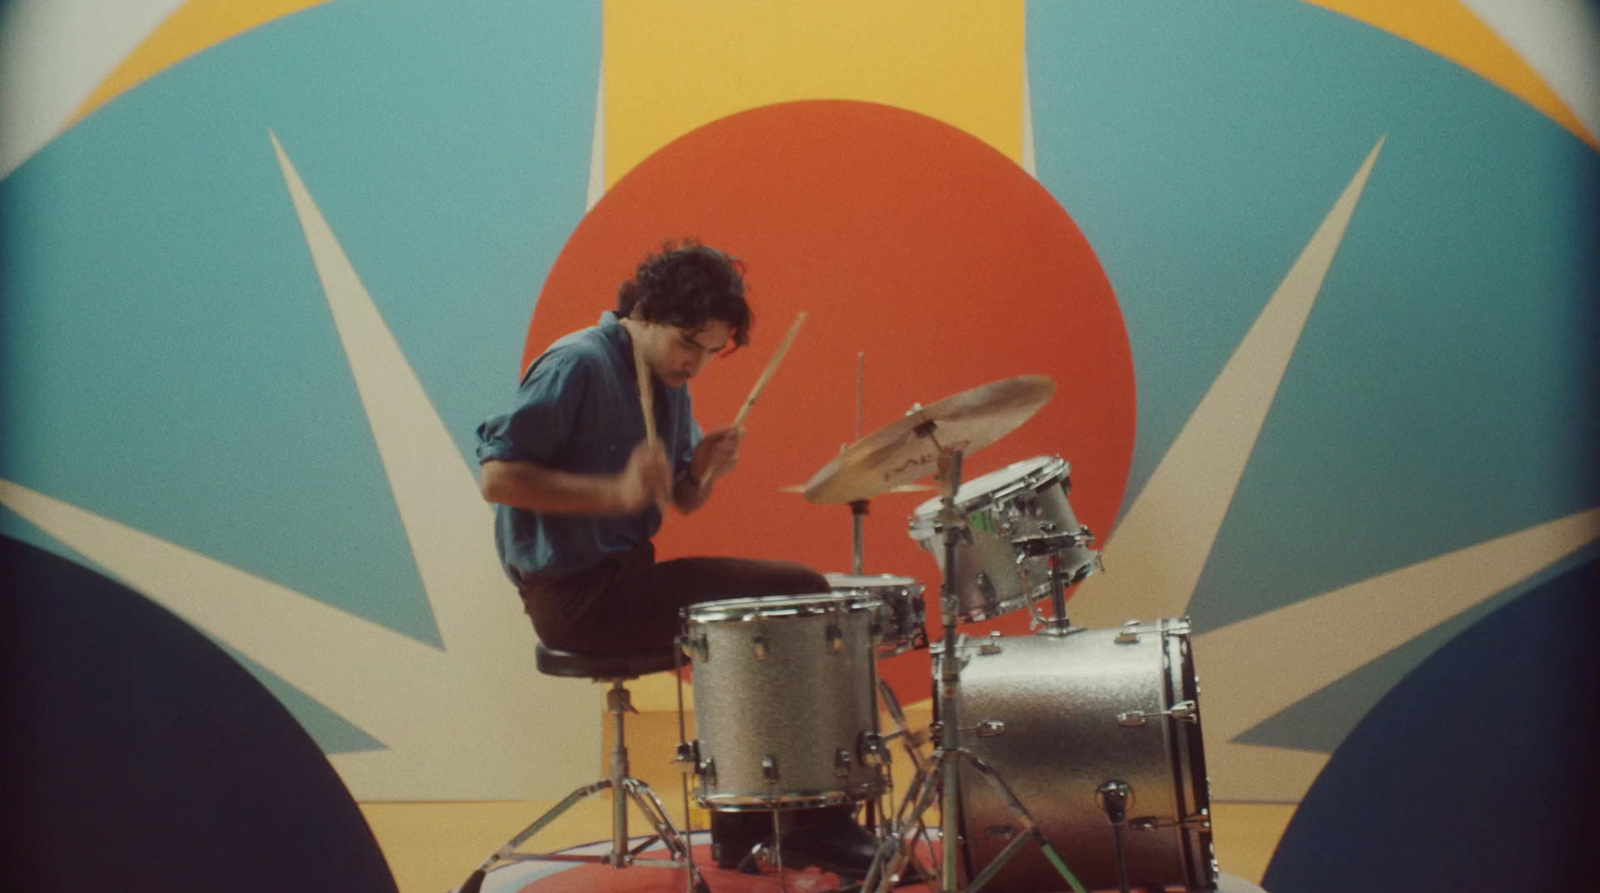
<point>912,245</point>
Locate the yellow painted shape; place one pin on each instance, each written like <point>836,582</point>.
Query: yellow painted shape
<point>192,28</point>
<point>1451,30</point>
<point>1245,835</point>
<point>434,846</point>
<point>673,67</point>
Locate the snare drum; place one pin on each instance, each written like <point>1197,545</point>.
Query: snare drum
<point>903,612</point>
<point>1023,499</point>
<point>785,692</point>
<point>1081,710</point>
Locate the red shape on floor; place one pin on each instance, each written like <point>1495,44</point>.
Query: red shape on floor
<point>641,879</point>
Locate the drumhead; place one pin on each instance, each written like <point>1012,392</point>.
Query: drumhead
<point>998,484</point>
<point>736,609</point>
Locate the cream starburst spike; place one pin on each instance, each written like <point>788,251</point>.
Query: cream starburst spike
<point>458,722</point>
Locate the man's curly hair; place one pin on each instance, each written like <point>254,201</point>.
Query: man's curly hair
<point>687,285</point>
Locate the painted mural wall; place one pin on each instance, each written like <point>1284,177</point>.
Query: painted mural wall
<point>1316,282</point>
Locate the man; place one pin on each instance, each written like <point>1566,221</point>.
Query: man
<point>578,493</point>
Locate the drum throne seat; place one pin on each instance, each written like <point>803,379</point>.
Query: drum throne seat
<point>615,669</point>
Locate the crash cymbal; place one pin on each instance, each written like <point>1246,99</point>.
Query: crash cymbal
<point>907,449</point>
<point>903,488</point>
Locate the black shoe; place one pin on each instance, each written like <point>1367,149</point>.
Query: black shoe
<point>841,847</point>
<point>735,834</point>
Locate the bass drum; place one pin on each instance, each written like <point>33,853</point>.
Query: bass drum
<point>1080,710</point>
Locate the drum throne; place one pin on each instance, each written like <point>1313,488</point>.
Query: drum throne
<point>615,669</point>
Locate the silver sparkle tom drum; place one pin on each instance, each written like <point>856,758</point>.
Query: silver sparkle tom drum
<point>785,691</point>
<point>1079,711</point>
<point>903,616</point>
<point>1025,498</point>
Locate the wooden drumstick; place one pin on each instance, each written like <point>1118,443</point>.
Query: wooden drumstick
<point>772,366</point>
<point>647,395</point>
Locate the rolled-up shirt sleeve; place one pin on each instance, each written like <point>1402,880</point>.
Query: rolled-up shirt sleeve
<point>538,429</point>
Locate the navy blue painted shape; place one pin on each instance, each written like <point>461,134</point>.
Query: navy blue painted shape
<point>1476,773</point>
<point>139,756</point>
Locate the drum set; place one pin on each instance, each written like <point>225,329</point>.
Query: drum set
<point>1067,759</point>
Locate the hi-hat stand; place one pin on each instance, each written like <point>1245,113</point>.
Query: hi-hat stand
<point>896,850</point>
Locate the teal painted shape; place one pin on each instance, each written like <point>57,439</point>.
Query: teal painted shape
<point>1442,391</point>
<point>169,357</point>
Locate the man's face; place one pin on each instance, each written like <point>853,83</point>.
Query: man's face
<point>676,354</point>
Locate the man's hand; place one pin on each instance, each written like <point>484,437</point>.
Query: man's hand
<point>715,455</point>
<point>645,481</point>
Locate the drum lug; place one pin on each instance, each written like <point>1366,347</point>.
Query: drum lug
<point>1130,633</point>
<point>992,645</point>
<point>760,646</point>
<point>988,728</point>
<point>1151,823</point>
<point>870,746</point>
<point>986,586</point>
<point>835,638</point>
<point>698,647</point>
<point>769,768</point>
<point>842,763</point>
<point>1009,518</point>
<point>688,757</point>
<point>1183,711</point>
<point>708,772</point>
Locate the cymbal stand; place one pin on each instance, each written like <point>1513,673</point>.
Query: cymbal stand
<point>858,517</point>
<point>896,851</point>
<point>858,508</point>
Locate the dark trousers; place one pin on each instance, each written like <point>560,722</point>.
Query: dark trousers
<point>630,601</point>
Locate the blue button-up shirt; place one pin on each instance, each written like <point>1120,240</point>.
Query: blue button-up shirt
<point>578,410</point>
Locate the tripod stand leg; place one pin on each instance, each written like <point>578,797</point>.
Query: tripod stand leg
<point>475,880</point>
<point>898,717</point>
<point>644,797</point>
<point>1028,824</point>
<point>898,848</point>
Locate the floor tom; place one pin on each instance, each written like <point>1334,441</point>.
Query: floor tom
<point>785,691</point>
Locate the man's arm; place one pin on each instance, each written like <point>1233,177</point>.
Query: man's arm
<point>535,488</point>
<point>714,456</point>
<point>688,495</point>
